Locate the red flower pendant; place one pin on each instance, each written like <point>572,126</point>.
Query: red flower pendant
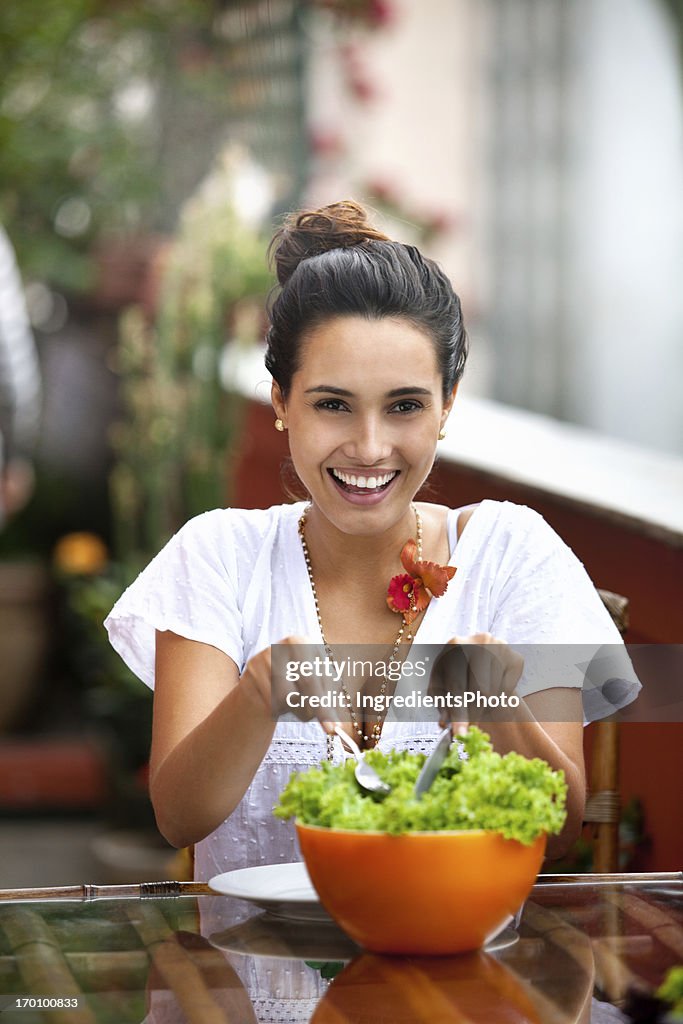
<point>410,593</point>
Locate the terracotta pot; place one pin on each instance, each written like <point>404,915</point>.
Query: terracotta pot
<point>430,893</point>
<point>25,636</point>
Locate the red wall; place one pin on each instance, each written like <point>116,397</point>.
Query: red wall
<point>647,567</point>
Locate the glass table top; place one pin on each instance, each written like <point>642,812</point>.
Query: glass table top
<point>118,956</point>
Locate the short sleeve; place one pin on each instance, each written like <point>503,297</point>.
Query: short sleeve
<point>544,594</point>
<point>190,588</point>
<point>549,609</point>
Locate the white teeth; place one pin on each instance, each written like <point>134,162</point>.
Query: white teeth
<point>371,482</point>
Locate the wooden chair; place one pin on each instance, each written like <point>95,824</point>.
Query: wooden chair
<point>603,807</point>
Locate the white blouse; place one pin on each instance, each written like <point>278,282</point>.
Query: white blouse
<point>236,579</point>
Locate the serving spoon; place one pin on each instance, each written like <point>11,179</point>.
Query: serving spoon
<point>366,776</point>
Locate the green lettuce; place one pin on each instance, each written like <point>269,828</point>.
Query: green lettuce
<point>476,788</point>
<point>671,991</point>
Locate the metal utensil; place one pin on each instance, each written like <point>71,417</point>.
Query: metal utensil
<point>430,769</point>
<point>366,776</point>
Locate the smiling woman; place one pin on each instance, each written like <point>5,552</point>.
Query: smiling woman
<point>366,348</point>
<point>364,445</point>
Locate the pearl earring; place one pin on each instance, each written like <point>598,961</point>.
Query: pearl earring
<point>442,434</point>
<point>279,425</point>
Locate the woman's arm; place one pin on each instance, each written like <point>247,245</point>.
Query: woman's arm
<point>546,724</point>
<point>210,733</point>
<point>533,733</point>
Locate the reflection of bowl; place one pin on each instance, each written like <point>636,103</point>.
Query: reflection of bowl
<point>421,892</point>
<point>474,988</point>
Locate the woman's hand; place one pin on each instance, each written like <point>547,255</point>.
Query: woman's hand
<point>546,724</point>
<point>482,671</point>
<point>289,678</point>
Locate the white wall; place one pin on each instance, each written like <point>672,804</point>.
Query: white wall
<point>627,321</point>
<point>551,131</point>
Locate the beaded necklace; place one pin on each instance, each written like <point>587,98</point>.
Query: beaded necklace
<point>404,633</point>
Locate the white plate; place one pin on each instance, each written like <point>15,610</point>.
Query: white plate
<point>282,889</point>
<point>286,890</point>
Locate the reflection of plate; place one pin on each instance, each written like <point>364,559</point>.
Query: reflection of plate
<point>265,935</point>
<point>506,938</point>
<point>666,891</point>
<point>274,937</point>
<point>282,889</point>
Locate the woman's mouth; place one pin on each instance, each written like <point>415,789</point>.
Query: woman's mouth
<point>363,485</point>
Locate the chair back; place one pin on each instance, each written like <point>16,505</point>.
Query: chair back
<point>603,806</point>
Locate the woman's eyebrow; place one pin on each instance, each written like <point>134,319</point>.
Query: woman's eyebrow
<point>397,392</point>
<point>330,389</point>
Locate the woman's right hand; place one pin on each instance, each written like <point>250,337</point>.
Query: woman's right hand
<point>272,680</point>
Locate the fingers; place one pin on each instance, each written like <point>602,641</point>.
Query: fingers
<point>301,682</point>
<point>481,672</point>
<point>493,666</point>
<point>458,727</point>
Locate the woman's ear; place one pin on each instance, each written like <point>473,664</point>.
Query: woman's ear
<point>448,404</point>
<point>278,402</point>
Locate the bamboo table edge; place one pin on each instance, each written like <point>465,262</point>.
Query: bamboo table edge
<point>157,890</point>
<point>609,878</point>
<point>88,892</point>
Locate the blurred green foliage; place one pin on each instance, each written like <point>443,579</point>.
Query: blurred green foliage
<point>108,113</point>
<point>177,440</point>
<point>181,420</point>
<point>110,697</point>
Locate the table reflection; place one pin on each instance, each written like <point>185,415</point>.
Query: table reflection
<point>474,987</point>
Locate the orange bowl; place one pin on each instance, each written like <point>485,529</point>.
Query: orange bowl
<point>431,893</point>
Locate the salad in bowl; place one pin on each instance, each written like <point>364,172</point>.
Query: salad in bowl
<point>439,874</point>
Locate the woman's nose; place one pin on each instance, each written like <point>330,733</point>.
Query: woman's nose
<point>368,442</point>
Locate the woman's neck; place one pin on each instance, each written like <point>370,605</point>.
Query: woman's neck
<point>344,555</point>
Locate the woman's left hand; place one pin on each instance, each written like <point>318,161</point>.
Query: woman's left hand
<point>546,724</point>
<point>476,668</point>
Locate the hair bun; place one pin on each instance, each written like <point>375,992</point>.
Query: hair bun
<point>312,232</point>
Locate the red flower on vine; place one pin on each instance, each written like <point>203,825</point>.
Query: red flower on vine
<point>410,592</point>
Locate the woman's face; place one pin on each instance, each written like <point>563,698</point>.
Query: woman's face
<point>363,414</point>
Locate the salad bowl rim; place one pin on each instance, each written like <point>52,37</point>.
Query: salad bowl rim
<point>416,832</point>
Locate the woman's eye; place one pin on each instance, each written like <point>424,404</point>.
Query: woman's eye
<point>331,404</point>
<point>408,405</point>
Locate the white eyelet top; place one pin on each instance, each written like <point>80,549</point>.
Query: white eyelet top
<point>236,579</point>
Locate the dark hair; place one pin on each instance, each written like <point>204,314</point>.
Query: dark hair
<point>331,262</point>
